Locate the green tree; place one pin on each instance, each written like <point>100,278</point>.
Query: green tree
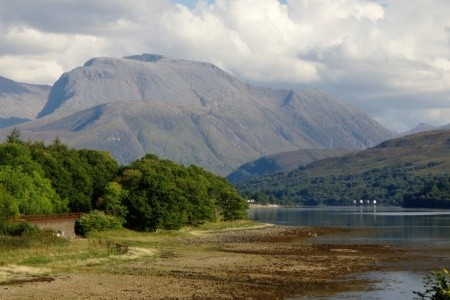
<point>14,136</point>
<point>113,200</point>
<point>101,168</point>
<point>33,193</point>
<point>165,195</point>
<point>9,206</point>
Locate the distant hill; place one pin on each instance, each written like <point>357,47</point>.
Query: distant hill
<point>282,162</point>
<point>419,128</point>
<point>20,102</point>
<point>422,127</point>
<point>387,172</point>
<point>193,113</point>
<point>424,148</point>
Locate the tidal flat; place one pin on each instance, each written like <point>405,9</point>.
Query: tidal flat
<point>238,260</point>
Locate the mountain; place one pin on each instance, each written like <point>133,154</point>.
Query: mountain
<point>429,148</point>
<point>412,165</point>
<point>20,102</point>
<point>422,127</point>
<point>282,162</point>
<point>193,113</point>
<point>419,128</point>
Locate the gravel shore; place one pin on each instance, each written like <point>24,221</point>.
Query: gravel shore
<point>267,262</point>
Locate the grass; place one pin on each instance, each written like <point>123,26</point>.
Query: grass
<point>43,249</point>
<point>215,226</point>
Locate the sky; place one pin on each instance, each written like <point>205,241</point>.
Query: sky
<point>389,58</point>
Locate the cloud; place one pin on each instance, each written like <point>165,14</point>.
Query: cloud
<point>377,55</point>
<point>29,69</point>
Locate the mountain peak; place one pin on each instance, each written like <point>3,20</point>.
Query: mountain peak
<point>194,113</point>
<point>146,57</point>
<point>419,128</point>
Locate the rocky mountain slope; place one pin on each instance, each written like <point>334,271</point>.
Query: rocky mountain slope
<point>192,112</point>
<point>20,102</point>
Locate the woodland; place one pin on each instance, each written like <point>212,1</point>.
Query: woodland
<point>148,194</point>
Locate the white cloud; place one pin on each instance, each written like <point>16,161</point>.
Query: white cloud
<point>369,53</point>
<point>30,68</point>
<point>396,117</point>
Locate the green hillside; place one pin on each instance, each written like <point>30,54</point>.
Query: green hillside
<point>283,162</point>
<point>412,170</point>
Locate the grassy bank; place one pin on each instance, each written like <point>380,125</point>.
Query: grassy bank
<point>46,250</point>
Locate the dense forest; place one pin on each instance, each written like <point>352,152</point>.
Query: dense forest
<point>148,194</point>
<point>390,185</point>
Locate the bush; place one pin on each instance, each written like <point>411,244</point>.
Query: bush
<point>437,286</point>
<point>17,229</point>
<point>96,221</point>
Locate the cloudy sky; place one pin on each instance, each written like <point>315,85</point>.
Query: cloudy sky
<point>390,58</point>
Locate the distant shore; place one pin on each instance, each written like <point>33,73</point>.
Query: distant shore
<point>251,205</point>
<point>262,262</point>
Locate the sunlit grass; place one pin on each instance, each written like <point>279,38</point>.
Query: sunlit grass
<point>214,226</point>
<point>61,253</point>
<point>47,250</point>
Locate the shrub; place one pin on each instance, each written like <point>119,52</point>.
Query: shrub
<point>97,221</point>
<point>17,229</point>
<point>437,286</point>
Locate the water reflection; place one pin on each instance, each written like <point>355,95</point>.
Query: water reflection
<point>389,285</point>
<point>397,225</point>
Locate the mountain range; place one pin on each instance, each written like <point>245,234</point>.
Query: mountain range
<point>190,112</point>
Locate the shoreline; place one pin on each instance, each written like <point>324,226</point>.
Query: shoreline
<point>259,262</point>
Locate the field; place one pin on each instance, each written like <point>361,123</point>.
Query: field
<point>238,260</point>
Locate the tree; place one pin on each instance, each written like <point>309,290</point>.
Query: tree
<point>101,167</point>
<point>165,195</point>
<point>113,200</point>
<point>32,193</point>
<point>14,136</point>
<point>9,206</point>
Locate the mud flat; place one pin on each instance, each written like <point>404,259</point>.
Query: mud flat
<point>262,262</point>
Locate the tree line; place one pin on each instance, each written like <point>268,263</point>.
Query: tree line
<point>148,194</point>
<point>391,185</point>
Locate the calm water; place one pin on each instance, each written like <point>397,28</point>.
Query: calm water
<point>394,225</point>
<point>411,228</point>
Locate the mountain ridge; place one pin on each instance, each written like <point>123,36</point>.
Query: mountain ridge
<point>21,102</point>
<point>144,99</point>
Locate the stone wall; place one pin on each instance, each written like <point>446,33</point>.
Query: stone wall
<point>65,228</point>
